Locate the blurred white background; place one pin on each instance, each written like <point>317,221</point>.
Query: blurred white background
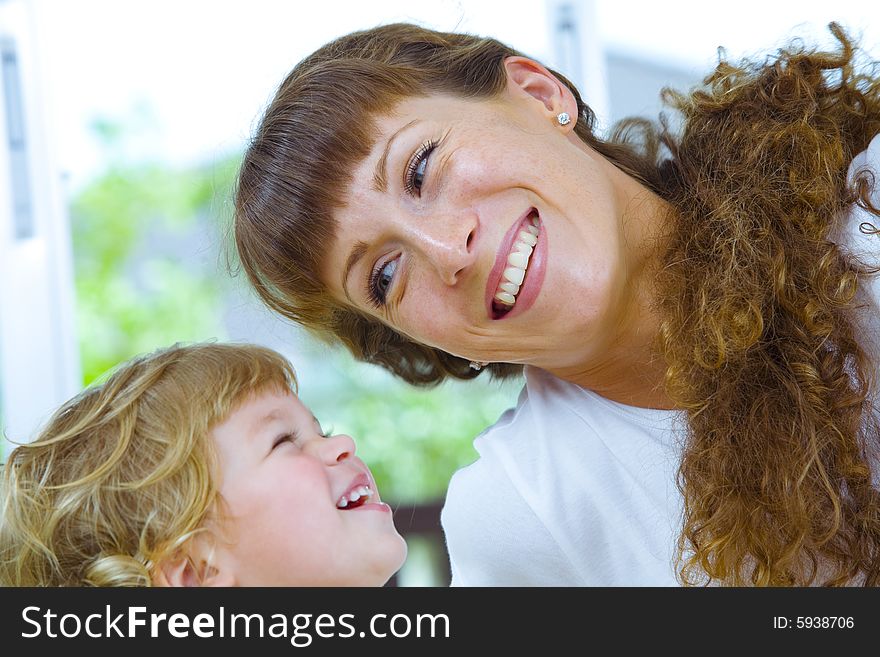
<point>198,72</point>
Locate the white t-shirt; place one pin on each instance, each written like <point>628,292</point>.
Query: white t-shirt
<point>572,489</point>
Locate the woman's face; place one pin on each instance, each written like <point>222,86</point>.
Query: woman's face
<point>435,210</point>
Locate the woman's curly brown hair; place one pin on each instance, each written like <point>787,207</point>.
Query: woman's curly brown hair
<point>759,327</point>
<point>759,306</point>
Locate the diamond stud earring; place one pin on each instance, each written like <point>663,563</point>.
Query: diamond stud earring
<point>563,118</point>
<point>477,365</point>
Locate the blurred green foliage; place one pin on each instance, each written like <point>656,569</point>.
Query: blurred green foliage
<point>413,439</point>
<point>139,285</point>
<point>150,263</point>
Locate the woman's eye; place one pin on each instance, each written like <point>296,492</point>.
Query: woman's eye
<point>380,282</point>
<point>415,172</point>
<point>418,175</point>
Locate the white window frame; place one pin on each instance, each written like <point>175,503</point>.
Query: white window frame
<point>579,54</point>
<point>39,360</point>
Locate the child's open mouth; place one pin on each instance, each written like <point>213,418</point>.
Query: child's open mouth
<point>356,497</point>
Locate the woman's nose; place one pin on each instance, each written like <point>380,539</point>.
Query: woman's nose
<point>449,244</point>
<point>334,449</point>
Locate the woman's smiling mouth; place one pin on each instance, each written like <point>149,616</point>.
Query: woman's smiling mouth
<point>512,263</point>
<point>517,265</point>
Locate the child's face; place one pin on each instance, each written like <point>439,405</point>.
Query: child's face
<point>283,484</point>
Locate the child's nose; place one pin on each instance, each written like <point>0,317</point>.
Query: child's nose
<point>336,449</point>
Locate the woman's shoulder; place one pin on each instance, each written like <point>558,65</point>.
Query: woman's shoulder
<point>856,237</point>
<point>866,165</point>
<point>867,159</point>
<point>556,419</point>
<point>548,403</point>
<point>851,234</point>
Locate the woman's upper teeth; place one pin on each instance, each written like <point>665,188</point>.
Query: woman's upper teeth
<point>517,264</point>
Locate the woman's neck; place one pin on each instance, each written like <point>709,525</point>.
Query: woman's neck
<point>631,372</point>
<point>640,386</point>
<point>626,366</point>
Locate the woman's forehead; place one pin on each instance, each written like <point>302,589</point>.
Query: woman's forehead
<point>429,107</point>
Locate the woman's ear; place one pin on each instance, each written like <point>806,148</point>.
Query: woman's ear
<point>526,76</point>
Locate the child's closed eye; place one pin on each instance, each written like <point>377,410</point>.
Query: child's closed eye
<point>285,438</point>
<point>321,432</point>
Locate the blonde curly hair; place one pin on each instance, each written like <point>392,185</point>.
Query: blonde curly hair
<point>124,474</point>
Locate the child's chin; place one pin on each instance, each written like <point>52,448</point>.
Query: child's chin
<point>401,555</point>
<point>392,560</point>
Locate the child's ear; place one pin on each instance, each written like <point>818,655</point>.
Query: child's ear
<point>213,576</point>
<point>182,571</point>
<point>175,572</point>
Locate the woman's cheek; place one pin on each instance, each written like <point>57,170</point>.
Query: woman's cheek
<point>425,321</point>
<point>422,328</point>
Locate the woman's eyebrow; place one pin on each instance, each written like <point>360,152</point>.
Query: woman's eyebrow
<point>357,252</point>
<point>380,174</point>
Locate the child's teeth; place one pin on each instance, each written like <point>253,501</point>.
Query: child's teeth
<point>533,228</point>
<point>354,496</point>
